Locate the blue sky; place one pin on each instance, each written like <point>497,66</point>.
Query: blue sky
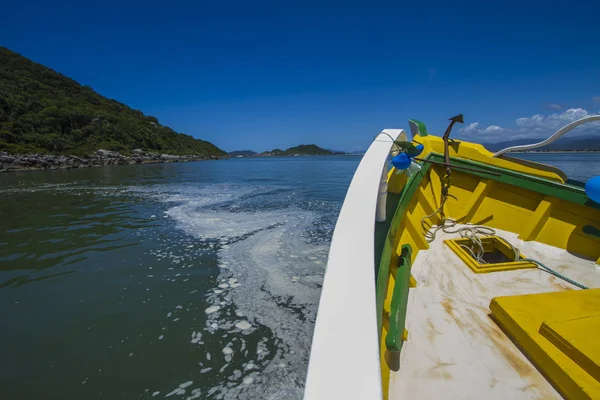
<point>260,75</point>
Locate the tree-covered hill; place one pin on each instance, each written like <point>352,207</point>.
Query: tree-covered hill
<point>302,150</point>
<point>42,111</point>
<point>307,149</point>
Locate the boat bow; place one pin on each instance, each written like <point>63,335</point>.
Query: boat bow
<point>344,361</point>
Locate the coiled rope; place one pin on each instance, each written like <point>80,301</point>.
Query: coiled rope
<point>474,233</point>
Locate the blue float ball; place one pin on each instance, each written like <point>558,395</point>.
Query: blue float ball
<point>420,148</point>
<point>592,189</point>
<point>401,161</point>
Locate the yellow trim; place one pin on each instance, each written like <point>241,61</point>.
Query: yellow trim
<point>476,152</point>
<point>495,243</point>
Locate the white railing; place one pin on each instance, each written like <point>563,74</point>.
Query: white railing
<point>557,135</point>
<point>344,359</point>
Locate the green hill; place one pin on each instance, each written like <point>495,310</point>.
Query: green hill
<point>243,153</point>
<point>42,111</point>
<point>307,149</point>
<point>302,150</point>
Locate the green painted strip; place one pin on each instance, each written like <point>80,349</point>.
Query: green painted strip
<point>417,128</point>
<point>412,185</point>
<point>382,228</point>
<point>393,340</point>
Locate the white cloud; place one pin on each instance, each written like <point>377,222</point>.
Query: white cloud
<point>536,126</point>
<point>551,122</point>
<point>492,129</point>
<point>555,106</point>
<point>470,128</point>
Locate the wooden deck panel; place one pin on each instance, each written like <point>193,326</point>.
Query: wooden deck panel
<point>454,349</point>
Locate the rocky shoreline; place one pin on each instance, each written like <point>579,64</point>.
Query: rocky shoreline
<point>40,162</point>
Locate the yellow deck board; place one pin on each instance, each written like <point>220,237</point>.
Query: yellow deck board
<point>522,317</point>
<point>577,339</point>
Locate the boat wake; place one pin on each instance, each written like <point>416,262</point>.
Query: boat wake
<point>271,250</point>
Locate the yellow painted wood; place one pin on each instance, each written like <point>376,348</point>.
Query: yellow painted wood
<point>481,191</point>
<point>417,234</point>
<point>488,202</point>
<point>405,335</point>
<point>577,339</point>
<point>426,200</point>
<point>478,153</point>
<point>396,180</point>
<point>500,244</point>
<point>413,282</point>
<point>539,218</point>
<point>521,317</point>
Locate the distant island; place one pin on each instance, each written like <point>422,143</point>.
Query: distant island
<point>301,150</point>
<point>243,153</point>
<point>59,123</point>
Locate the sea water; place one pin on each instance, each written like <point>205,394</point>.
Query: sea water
<point>182,281</point>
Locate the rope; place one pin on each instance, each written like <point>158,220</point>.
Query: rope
<point>473,233</point>
<point>555,273</point>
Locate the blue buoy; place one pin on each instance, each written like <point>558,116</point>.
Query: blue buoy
<point>419,147</point>
<point>401,161</point>
<point>592,188</point>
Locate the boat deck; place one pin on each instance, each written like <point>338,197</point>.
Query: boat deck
<point>454,349</point>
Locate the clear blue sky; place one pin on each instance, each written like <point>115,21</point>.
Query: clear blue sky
<point>258,75</point>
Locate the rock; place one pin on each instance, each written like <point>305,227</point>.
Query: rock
<point>6,159</point>
<point>80,160</point>
<point>169,157</point>
<point>32,162</point>
<point>108,154</point>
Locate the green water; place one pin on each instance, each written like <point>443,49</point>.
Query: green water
<point>105,275</point>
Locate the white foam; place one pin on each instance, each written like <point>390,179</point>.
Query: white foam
<point>176,392</point>
<point>281,274</point>
<point>212,309</point>
<point>243,325</point>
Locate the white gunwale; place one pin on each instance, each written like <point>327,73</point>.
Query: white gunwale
<point>344,359</point>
